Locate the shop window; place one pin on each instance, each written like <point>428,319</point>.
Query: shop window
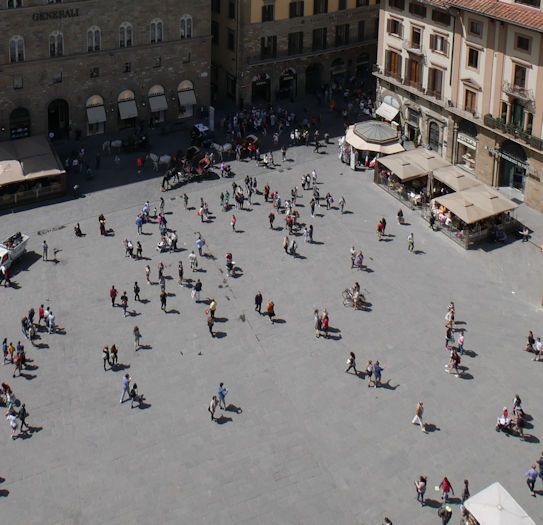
<point>295,43</point>
<point>268,13</point>
<point>296,9</point>
<point>185,29</point>
<point>473,58</point>
<point>156,31</point>
<point>16,49</point>
<point>319,38</point>
<point>93,39</point>
<point>56,44</point>
<point>125,35</point>
<point>433,137</point>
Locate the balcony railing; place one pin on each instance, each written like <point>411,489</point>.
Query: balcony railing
<point>434,93</point>
<point>416,49</point>
<point>517,91</point>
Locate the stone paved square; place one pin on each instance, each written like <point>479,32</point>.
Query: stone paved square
<point>304,443</point>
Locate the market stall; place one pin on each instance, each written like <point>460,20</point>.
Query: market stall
<point>364,141</point>
<point>495,506</point>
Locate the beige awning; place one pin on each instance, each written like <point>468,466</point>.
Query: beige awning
<point>158,103</point>
<point>128,109</point>
<point>455,178</point>
<point>187,98</point>
<point>360,144</point>
<point>428,160</point>
<point>387,111</point>
<point>96,114</point>
<point>476,203</point>
<point>495,506</point>
<point>403,169</point>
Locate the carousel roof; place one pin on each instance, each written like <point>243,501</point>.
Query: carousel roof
<point>375,131</point>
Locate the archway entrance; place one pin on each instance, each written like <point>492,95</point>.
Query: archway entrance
<point>313,78</point>
<point>287,84</point>
<point>261,88</point>
<point>19,123</point>
<point>58,119</point>
<point>513,165</point>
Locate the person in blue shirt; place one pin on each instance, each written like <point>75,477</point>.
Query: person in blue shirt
<point>221,392</point>
<point>377,369</point>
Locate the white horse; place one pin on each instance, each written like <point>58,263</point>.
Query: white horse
<point>162,160</point>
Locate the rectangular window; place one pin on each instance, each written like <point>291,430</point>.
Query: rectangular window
<point>361,30</point>
<point>415,38</point>
<point>268,47</point>
<point>95,72</point>
<point>397,4</point>
<point>470,99</point>
<point>216,6</point>
<point>231,9</point>
<point>157,62</point>
<point>18,83</point>
<point>296,9</point>
<point>417,9</point>
<point>473,58</point>
<point>268,13</point>
<point>319,38</point>
<point>57,78</point>
<point>320,7</point>
<point>362,3</point>
<point>393,64</point>
<point>295,43</point>
<point>127,67</point>
<point>520,76</point>
<point>394,27</point>
<point>476,28</point>
<point>435,82</point>
<point>503,111</point>
<point>523,43</point>
<point>439,44</point>
<point>342,35</point>
<point>414,73</point>
<point>231,43</point>
<point>533,3</point>
<point>215,32</point>
<point>441,17</point>
<point>342,5</point>
<point>230,85</point>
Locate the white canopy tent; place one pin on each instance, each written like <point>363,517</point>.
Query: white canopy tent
<point>495,506</point>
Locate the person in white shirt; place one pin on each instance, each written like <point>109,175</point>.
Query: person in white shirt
<point>537,349</point>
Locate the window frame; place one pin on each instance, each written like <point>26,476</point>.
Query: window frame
<point>523,72</point>
<point>266,8</point>
<point>124,40</point>
<point>475,33</point>
<point>18,54</point>
<point>296,8</point>
<point>156,26</point>
<point>320,7</point>
<point>298,38</point>
<point>525,37</point>
<point>186,32</point>
<point>94,39</point>
<point>322,40</point>
<point>476,52</point>
<point>56,37</point>
<point>472,95</point>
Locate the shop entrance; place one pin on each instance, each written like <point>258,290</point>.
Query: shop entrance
<point>58,119</point>
<point>513,165</point>
<point>313,78</point>
<point>261,88</point>
<point>19,123</point>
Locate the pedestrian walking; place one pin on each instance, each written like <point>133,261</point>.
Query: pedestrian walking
<point>380,230</point>
<point>271,218</point>
<point>465,493</point>
<point>233,223</point>
<point>377,370</point>
<point>310,233</point>
<point>196,291</point>
<point>445,487</point>
<point>369,372</point>
<point>135,397</point>
<point>124,303</point>
<point>199,245</point>
<point>12,420</point>
<point>139,224</point>
<point>210,323</point>
<point>286,244</point>
<point>6,353</point>
<point>113,295</point>
<point>22,415</point>
<point>258,302</point>
<point>137,338</point>
<point>342,204</point>
<point>44,249</point>
<point>148,274</point>
<point>445,513</point>
<point>351,363</point>
<point>114,356</point>
<point>420,484</point>
<point>531,477</point>
<point>186,200</point>
<point>212,308</point>
<point>417,419</point>
<point>40,314</point>
<point>213,406</point>
<point>193,261</point>
<point>221,393</point>
<point>410,242</point>
<point>283,153</point>
<point>160,270</point>
<point>461,342</point>
<point>271,311</point>
<point>105,357</point>
<point>126,387</point>
<point>180,273</point>
<point>51,322</point>
<point>163,296</point>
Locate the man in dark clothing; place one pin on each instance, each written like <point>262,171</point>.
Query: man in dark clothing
<point>258,303</point>
<point>23,414</point>
<point>136,291</point>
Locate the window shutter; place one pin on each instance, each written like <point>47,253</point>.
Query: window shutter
<point>446,46</point>
<point>433,42</point>
<point>389,25</point>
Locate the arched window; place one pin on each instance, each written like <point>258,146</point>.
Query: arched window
<point>12,4</point>
<point>16,49</point>
<point>125,35</point>
<point>157,31</point>
<point>56,44</point>
<point>186,27</point>
<point>93,39</point>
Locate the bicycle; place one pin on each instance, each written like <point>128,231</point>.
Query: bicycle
<point>348,300</point>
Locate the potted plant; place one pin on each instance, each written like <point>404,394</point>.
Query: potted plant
<point>489,120</point>
<point>510,127</point>
<point>500,123</point>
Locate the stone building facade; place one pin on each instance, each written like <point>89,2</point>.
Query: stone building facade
<point>268,50</point>
<point>463,77</point>
<point>85,67</point>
